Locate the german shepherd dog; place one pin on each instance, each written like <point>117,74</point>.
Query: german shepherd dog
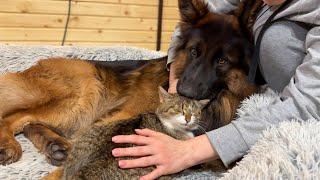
<point>57,99</point>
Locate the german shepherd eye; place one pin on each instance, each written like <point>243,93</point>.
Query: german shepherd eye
<point>194,52</point>
<point>223,61</point>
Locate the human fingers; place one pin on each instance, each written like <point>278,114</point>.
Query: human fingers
<point>147,132</point>
<point>132,151</point>
<point>153,175</point>
<point>138,163</point>
<point>132,139</point>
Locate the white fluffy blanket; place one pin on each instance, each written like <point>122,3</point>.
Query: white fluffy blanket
<point>289,151</point>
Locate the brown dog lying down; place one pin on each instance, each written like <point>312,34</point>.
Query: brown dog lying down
<point>68,96</point>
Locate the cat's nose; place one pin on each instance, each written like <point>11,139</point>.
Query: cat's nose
<point>188,118</point>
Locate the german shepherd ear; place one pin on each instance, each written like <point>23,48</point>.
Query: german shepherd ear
<point>192,10</point>
<point>246,14</point>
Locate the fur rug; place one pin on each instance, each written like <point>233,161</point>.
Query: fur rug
<point>289,151</point>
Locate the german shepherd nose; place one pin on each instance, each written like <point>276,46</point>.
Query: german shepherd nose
<point>186,90</point>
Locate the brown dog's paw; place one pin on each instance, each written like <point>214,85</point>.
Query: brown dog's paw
<point>10,151</point>
<point>57,151</point>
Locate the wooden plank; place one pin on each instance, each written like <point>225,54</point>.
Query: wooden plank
<point>171,13</point>
<point>140,2</point>
<point>173,3</point>
<point>166,3</point>
<point>150,46</point>
<point>82,22</point>
<point>85,8</point>
<point>165,47</point>
<point>135,2</point>
<point>169,25</point>
<point>101,1</point>
<point>40,34</point>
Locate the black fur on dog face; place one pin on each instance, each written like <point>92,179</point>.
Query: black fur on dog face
<point>212,46</point>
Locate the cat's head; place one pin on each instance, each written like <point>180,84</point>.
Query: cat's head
<point>180,113</point>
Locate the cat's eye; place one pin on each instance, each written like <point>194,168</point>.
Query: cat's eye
<point>171,110</point>
<point>222,61</point>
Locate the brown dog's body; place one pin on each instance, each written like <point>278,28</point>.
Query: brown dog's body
<point>71,95</point>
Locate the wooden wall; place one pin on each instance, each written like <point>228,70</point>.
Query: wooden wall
<point>92,22</point>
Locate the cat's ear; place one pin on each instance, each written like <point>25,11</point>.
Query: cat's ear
<point>163,94</point>
<point>203,103</point>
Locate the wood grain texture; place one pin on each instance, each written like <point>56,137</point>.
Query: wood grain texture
<point>85,8</point>
<point>100,22</point>
<point>82,22</point>
<point>77,43</point>
<point>32,34</point>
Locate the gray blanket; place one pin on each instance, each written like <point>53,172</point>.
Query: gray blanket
<point>289,151</point>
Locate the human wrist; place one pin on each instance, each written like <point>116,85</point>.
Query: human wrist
<point>173,81</point>
<point>200,150</point>
<point>274,2</point>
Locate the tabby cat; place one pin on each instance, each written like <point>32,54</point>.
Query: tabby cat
<point>91,156</point>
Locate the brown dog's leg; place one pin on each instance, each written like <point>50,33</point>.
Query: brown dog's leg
<point>17,93</point>
<point>55,175</point>
<point>22,102</point>
<point>62,114</point>
<point>14,94</point>
<point>54,146</point>
<point>10,149</point>
<point>44,138</point>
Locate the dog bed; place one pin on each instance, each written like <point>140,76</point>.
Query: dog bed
<point>288,151</point>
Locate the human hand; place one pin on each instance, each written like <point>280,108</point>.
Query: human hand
<point>173,86</point>
<point>166,153</point>
<point>273,2</point>
<point>173,80</point>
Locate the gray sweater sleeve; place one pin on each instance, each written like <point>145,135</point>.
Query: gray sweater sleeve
<point>300,100</point>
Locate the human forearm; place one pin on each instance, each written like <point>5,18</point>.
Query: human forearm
<point>173,80</point>
<point>234,140</point>
<point>201,150</point>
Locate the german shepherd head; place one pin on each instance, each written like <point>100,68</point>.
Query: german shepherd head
<point>213,54</point>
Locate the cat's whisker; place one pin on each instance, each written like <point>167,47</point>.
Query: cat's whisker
<point>202,124</point>
<point>202,129</point>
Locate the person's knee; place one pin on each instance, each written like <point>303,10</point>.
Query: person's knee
<point>281,51</point>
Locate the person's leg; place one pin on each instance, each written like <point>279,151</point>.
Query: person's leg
<point>282,50</point>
